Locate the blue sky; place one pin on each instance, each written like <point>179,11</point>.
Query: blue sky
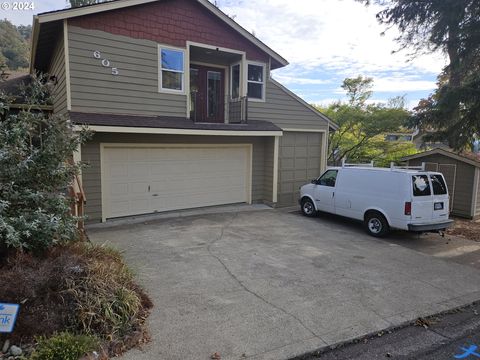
<point>324,41</point>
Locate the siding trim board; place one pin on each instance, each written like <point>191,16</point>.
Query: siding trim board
<point>276,148</point>
<point>135,130</point>
<point>475,198</point>
<point>67,65</point>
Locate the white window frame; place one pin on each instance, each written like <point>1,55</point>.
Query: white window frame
<point>160,70</point>
<point>264,83</point>
<point>239,80</point>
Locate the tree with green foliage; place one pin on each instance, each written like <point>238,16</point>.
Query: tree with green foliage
<point>14,45</point>
<point>358,89</point>
<point>361,136</point>
<point>453,27</point>
<point>35,153</point>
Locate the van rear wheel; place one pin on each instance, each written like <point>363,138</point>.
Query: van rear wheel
<point>376,224</point>
<point>308,208</point>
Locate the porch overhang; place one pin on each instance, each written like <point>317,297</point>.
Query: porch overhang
<point>113,123</point>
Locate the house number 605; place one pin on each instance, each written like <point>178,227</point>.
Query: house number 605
<point>105,62</point>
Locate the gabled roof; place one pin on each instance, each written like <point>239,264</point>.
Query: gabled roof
<point>58,15</point>
<point>468,158</point>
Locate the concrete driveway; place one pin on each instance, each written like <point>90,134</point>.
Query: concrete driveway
<point>272,284</point>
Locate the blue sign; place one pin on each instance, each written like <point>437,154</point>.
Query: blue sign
<point>8,315</point>
<point>471,351</point>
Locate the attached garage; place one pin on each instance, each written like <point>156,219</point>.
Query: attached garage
<point>462,174</point>
<point>183,165</point>
<point>142,178</point>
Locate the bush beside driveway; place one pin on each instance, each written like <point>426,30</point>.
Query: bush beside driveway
<point>272,285</point>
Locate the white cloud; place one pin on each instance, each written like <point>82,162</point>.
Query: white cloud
<point>398,85</point>
<point>290,79</point>
<point>337,35</point>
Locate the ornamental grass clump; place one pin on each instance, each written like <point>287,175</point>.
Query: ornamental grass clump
<point>64,346</point>
<point>106,298</point>
<point>79,287</point>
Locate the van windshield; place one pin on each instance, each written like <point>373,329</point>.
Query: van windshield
<point>438,184</point>
<point>421,185</point>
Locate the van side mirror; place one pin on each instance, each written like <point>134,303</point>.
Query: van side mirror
<point>314,181</point>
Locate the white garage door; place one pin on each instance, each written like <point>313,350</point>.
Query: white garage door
<point>141,180</point>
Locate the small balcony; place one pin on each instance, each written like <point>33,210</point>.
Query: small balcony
<point>214,109</point>
<point>215,85</point>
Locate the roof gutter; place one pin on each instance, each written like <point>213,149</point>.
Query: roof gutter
<point>34,42</point>
<point>89,9</point>
<point>171,131</point>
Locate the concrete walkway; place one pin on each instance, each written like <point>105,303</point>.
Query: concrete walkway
<point>272,285</point>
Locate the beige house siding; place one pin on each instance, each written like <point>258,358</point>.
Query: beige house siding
<point>91,155</point>
<point>57,69</point>
<point>284,110</point>
<point>464,180</point>
<point>134,91</point>
<point>477,190</point>
<point>299,162</point>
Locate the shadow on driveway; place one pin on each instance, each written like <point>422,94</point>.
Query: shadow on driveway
<point>448,247</point>
<point>273,284</point>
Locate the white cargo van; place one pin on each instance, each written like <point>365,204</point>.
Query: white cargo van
<point>383,198</point>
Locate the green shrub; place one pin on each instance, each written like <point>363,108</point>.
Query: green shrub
<point>64,346</point>
<point>35,149</point>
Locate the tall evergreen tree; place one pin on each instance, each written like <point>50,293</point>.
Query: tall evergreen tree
<point>452,26</point>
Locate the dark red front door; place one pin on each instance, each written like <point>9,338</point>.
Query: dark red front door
<point>207,87</point>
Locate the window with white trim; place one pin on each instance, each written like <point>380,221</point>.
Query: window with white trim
<point>235,83</point>
<point>171,70</point>
<point>256,81</point>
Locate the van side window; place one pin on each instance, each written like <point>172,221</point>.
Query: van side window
<point>328,179</point>
<point>421,185</point>
<point>438,184</point>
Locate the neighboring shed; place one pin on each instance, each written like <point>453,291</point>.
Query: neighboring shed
<point>462,173</point>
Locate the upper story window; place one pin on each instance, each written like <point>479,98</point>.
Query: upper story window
<point>172,70</point>
<point>256,81</point>
<point>235,69</point>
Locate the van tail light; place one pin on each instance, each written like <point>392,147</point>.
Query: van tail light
<point>408,208</point>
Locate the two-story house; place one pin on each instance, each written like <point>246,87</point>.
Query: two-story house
<point>183,108</point>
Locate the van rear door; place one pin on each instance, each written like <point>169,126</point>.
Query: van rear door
<point>440,197</point>
<point>422,200</point>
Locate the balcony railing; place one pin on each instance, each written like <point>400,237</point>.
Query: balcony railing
<point>238,110</point>
<point>235,110</point>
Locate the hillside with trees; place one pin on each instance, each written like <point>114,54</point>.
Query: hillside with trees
<point>14,45</point>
